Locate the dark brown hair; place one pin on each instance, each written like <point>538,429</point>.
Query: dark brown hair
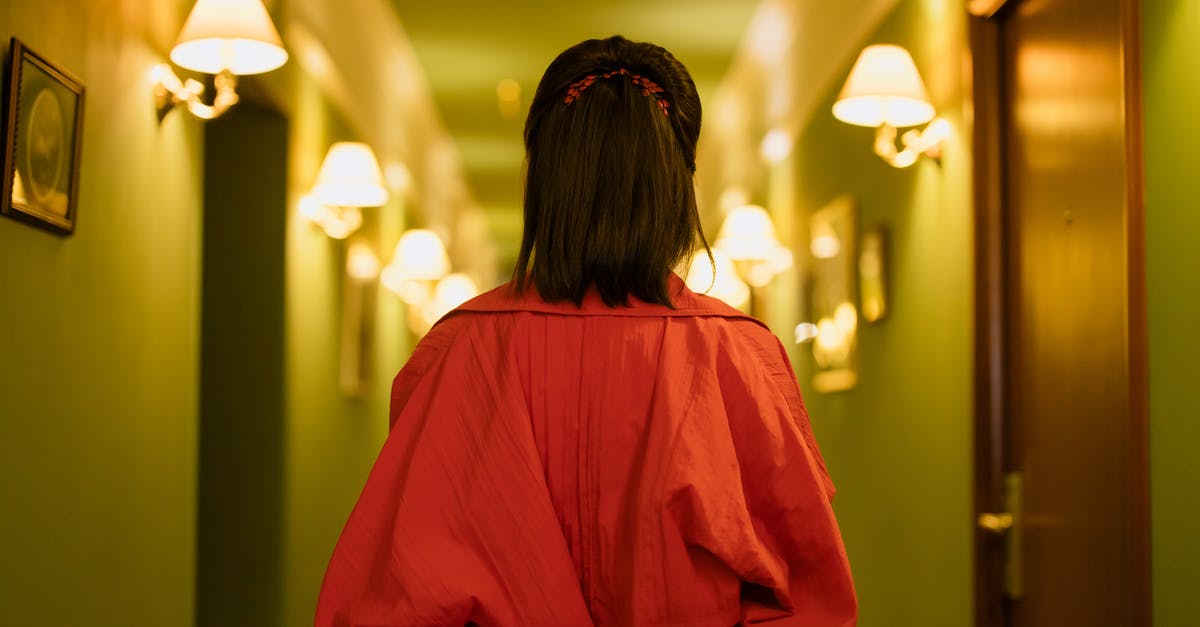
<point>609,199</point>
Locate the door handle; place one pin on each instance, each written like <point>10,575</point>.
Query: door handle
<point>996,523</point>
<point>1007,524</point>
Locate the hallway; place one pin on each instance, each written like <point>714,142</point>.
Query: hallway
<point>196,380</point>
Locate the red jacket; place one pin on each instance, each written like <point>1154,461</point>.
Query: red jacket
<point>550,465</point>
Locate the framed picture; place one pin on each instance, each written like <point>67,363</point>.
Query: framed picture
<point>833,235</point>
<point>872,274</point>
<point>43,134</point>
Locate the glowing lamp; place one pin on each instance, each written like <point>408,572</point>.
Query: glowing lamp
<point>226,38</point>
<point>885,91</point>
<point>350,177</point>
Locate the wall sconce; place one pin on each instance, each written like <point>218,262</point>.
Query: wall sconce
<point>226,38</point>
<point>452,291</point>
<point>419,262</point>
<point>776,145</point>
<point>885,91</point>
<point>362,265</point>
<point>724,285</point>
<point>419,274</point>
<point>348,180</point>
<point>747,238</point>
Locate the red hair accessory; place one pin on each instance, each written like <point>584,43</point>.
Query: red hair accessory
<point>649,87</point>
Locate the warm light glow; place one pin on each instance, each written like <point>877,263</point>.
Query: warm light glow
<point>726,286</point>
<point>769,33</point>
<point>846,318</point>
<point>398,176</point>
<point>350,177</point>
<point>161,74</point>
<point>732,198</point>
<point>311,54</point>
<point>937,132</point>
<point>828,347</point>
<point>806,332</point>
<point>776,145</point>
<point>361,262</point>
<point>747,234</point>
<point>836,335</point>
<point>234,35</point>
<point>871,288</point>
<point>825,243</point>
<point>312,209</point>
<point>508,89</point>
<point>984,8</point>
<point>760,272</point>
<point>452,291</point>
<point>884,88</point>
<point>780,259</point>
<point>337,222</point>
<point>420,255</point>
<point>410,291</point>
<point>508,97</point>
<point>344,223</point>
<point>18,190</point>
<point>747,237</point>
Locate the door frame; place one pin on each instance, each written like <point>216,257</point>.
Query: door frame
<point>992,447</point>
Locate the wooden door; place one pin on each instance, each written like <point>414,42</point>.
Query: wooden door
<point>1061,385</point>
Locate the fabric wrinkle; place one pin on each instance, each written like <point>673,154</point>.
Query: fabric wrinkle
<point>586,466</point>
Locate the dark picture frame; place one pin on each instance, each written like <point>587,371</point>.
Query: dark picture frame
<point>43,137</point>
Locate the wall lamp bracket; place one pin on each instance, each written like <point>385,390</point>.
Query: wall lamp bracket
<point>885,91</point>
<point>224,38</point>
<point>338,221</point>
<point>928,142</point>
<point>170,92</point>
<point>349,179</point>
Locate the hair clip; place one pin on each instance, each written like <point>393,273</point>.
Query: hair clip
<point>649,87</point>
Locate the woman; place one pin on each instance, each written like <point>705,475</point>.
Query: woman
<point>593,443</point>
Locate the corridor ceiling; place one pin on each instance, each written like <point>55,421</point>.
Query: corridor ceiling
<point>467,47</point>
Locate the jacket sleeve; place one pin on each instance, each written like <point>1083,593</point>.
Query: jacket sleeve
<point>772,523</point>
<point>453,525</point>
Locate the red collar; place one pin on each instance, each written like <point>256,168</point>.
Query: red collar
<point>687,303</point>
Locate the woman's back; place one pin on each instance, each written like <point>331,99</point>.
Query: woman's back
<point>593,443</point>
<point>627,466</point>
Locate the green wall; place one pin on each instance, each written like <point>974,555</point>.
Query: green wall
<point>1171,48</point>
<point>331,438</point>
<point>100,341</point>
<point>99,344</point>
<point>898,444</point>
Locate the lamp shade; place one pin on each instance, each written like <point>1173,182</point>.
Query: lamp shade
<point>338,222</point>
<point>725,285</point>
<point>350,177</point>
<point>420,255</point>
<point>234,35</point>
<point>747,234</point>
<point>361,262</point>
<point>452,291</point>
<point>884,88</point>
<point>776,145</point>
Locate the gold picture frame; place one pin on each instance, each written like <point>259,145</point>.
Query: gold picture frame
<point>872,274</point>
<point>833,238</point>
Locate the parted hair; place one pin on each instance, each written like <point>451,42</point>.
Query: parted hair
<point>609,198</point>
